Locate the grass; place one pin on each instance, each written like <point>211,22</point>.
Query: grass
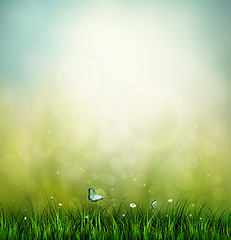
<point>92,221</point>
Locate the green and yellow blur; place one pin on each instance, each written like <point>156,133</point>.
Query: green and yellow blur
<point>131,98</point>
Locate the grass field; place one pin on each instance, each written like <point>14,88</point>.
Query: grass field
<point>91,221</point>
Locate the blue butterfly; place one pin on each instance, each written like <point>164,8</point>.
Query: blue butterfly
<point>92,196</point>
<point>153,204</point>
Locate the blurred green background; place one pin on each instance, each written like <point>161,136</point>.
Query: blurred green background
<point>131,98</point>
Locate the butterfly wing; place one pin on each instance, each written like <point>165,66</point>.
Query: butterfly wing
<point>96,197</point>
<point>91,193</point>
<point>92,196</point>
<point>153,204</point>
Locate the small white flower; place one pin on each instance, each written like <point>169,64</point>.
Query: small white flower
<point>200,218</point>
<point>51,198</point>
<point>87,216</point>
<point>190,215</point>
<point>25,218</point>
<point>123,215</point>
<point>132,205</point>
<point>60,204</point>
<point>170,200</point>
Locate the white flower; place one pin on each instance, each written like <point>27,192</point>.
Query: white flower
<point>87,216</point>
<point>60,204</point>
<point>123,215</point>
<point>190,215</point>
<point>200,218</point>
<point>170,200</point>
<point>25,218</point>
<point>132,205</point>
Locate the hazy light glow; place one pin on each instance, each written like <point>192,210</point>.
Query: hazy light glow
<point>129,99</point>
<point>127,69</point>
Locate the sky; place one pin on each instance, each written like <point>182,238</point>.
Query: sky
<point>131,98</point>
